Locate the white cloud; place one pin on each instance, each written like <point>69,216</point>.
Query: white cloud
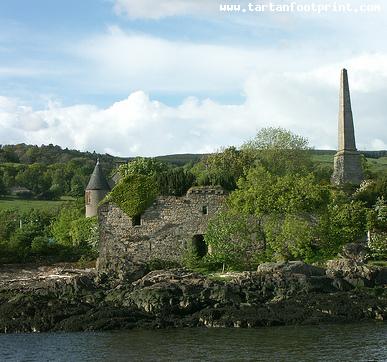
<point>304,102</point>
<point>156,9</point>
<point>117,60</point>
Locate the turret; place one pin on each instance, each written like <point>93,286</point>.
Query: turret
<point>96,190</point>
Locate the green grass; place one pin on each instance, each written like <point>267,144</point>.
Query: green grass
<point>25,205</point>
<point>382,263</point>
<point>376,165</point>
<point>322,158</point>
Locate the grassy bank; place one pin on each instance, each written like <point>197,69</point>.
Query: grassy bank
<point>25,205</point>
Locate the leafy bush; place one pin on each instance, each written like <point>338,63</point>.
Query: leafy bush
<point>289,239</point>
<point>377,245</point>
<point>233,239</point>
<point>61,226</point>
<point>84,232</point>
<point>40,245</point>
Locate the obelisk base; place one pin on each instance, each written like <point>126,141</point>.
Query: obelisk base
<point>347,168</point>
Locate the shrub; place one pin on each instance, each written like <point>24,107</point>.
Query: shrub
<point>377,245</point>
<point>84,232</point>
<point>40,245</point>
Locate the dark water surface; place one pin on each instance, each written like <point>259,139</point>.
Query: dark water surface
<point>344,342</point>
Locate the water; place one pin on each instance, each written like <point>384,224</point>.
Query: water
<point>348,342</point>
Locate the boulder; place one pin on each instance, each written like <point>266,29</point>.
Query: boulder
<point>354,272</point>
<point>291,267</point>
<point>354,251</point>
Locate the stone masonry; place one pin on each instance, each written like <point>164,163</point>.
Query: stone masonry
<point>164,231</point>
<point>347,161</point>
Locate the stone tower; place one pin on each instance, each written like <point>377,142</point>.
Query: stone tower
<point>347,160</point>
<point>96,190</point>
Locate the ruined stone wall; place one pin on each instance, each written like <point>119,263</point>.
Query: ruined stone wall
<point>166,231</point>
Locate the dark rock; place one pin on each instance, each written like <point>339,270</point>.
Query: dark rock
<point>354,251</point>
<point>296,267</point>
<point>278,294</point>
<point>355,273</point>
<point>381,276</point>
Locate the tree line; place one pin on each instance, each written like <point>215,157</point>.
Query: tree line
<point>47,172</point>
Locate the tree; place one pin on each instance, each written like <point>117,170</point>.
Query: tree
<point>9,222</point>
<point>344,221</point>
<point>3,189</point>
<point>143,166</point>
<point>84,232</point>
<point>377,226</point>
<point>61,226</point>
<point>77,185</point>
<point>282,213</point>
<point>280,151</point>
<point>262,193</point>
<point>232,239</point>
<point>289,237</point>
<point>35,178</point>
<point>222,168</point>
<point>174,181</point>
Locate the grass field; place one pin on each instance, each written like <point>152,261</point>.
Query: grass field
<point>377,165</point>
<point>24,205</point>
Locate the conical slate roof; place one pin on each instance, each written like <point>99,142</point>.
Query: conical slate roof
<point>97,179</point>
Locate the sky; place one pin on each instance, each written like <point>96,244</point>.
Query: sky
<point>156,77</point>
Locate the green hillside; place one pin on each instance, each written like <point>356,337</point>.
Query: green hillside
<point>25,205</point>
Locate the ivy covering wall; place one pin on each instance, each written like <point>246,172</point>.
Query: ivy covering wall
<point>134,194</point>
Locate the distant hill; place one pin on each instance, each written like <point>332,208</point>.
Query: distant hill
<point>50,154</point>
<point>50,172</point>
<point>45,154</point>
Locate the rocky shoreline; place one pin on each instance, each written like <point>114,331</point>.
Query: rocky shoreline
<point>276,294</point>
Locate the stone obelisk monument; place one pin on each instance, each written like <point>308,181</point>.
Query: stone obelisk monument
<point>347,161</point>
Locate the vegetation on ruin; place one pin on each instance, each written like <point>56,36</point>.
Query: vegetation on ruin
<point>134,193</point>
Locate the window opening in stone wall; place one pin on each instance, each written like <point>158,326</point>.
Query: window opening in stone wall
<point>136,220</point>
<point>88,198</point>
<point>205,210</point>
<point>199,246</point>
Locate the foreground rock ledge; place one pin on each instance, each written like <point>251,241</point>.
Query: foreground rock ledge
<point>60,299</point>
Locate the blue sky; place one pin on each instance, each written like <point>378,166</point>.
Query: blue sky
<point>152,77</point>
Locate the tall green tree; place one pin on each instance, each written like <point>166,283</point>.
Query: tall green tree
<point>143,166</point>
<point>223,168</point>
<point>233,239</point>
<point>280,151</point>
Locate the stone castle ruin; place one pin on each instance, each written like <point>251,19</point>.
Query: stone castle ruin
<point>173,224</point>
<point>164,231</point>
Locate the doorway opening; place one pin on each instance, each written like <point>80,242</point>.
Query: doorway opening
<point>199,246</point>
